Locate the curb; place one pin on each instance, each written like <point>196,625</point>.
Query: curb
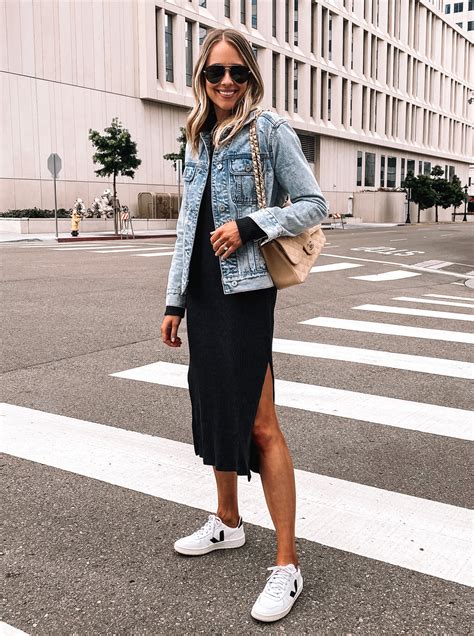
<point>76,239</point>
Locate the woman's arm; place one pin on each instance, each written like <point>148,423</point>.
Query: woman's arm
<point>293,173</point>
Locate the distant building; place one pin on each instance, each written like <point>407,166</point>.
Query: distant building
<point>462,15</point>
<point>374,89</point>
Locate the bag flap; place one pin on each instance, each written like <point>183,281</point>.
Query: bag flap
<point>296,246</point>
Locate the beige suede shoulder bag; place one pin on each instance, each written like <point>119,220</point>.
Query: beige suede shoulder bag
<point>289,259</point>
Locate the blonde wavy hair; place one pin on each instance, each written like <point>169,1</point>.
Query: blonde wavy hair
<point>202,104</point>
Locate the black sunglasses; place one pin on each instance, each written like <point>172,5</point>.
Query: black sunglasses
<point>216,72</point>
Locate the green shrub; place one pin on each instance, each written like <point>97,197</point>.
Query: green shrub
<point>34,213</point>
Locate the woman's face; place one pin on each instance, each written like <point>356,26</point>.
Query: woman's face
<point>226,93</point>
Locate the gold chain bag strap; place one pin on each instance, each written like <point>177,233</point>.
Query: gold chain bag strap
<point>289,259</point>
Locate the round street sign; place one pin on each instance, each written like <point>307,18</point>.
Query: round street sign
<point>54,164</point>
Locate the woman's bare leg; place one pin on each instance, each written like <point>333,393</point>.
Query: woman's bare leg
<point>277,474</point>
<point>227,501</point>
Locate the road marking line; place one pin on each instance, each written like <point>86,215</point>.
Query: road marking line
<point>156,254</point>
<point>451,297</point>
<point>376,409</point>
<point>394,275</point>
<point>106,248</point>
<point>410,532</point>
<point>416,312</point>
<point>333,267</point>
<point>420,364</point>
<point>133,249</point>
<point>434,264</point>
<point>414,267</point>
<point>395,240</point>
<point>390,329</point>
<point>8,630</point>
<point>433,302</point>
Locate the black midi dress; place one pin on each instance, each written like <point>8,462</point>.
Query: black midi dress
<point>230,348</point>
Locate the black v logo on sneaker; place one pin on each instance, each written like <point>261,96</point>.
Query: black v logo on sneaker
<point>221,537</point>
<point>295,590</point>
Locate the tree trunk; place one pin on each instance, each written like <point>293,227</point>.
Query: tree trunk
<point>418,212</point>
<point>115,205</point>
<point>436,214</point>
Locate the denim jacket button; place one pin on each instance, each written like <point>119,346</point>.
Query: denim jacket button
<point>219,166</point>
<point>221,207</point>
<point>234,283</point>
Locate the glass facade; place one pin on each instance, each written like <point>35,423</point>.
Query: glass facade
<point>369,180</point>
<point>188,47</point>
<point>169,65</point>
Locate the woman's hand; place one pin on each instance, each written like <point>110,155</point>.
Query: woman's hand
<point>227,234</point>
<point>169,331</point>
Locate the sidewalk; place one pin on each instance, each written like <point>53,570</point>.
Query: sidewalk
<point>65,237</point>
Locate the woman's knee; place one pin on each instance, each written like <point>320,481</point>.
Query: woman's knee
<point>265,432</point>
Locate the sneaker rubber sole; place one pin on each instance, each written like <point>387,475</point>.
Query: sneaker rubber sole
<point>222,545</point>
<point>276,617</point>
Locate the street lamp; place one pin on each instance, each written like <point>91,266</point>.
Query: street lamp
<point>464,218</point>
<point>407,220</point>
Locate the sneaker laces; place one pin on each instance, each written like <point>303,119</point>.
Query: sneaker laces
<point>206,528</point>
<point>278,580</point>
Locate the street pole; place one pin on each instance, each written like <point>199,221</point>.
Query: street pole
<point>55,200</point>
<point>464,218</point>
<point>408,220</point>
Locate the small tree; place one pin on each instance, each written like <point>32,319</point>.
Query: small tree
<point>441,188</point>
<point>117,154</point>
<point>174,156</point>
<point>422,192</point>
<point>458,196</point>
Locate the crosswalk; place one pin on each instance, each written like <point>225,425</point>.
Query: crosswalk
<point>415,533</point>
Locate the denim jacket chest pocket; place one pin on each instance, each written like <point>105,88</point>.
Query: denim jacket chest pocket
<point>241,179</point>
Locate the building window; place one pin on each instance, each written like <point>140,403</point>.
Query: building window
<point>391,172</point>
<point>254,14</point>
<point>451,173</point>
<point>274,18</point>
<point>157,42</point>
<point>427,167</point>
<point>330,36</point>
<point>202,33</point>
<point>188,48</point>
<point>420,167</point>
<point>382,171</point>
<point>169,47</point>
<point>447,8</point>
<point>311,92</point>
<point>470,6</point>
<point>295,87</point>
<point>411,166</point>
<point>255,52</point>
<point>203,3</point>
<point>369,169</point>
<point>329,97</point>
<point>243,11</point>
<point>459,24</point>
<point>307,146</point>
<point>402,172</point>
<point>359,168</point>
<point>470,25</point>
<point>274,78</point>
<point>227,8</point>
<point>295,23</point>
<point>458,7</point>
<point>287,20</point>
<point>287,83</point>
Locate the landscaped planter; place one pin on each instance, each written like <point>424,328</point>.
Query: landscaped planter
<point>48,226</point>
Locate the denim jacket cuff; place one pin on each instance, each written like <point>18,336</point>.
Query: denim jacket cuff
<point>269,224</point>
<point>175,300</point>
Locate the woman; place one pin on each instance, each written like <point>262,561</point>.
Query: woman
<point>219,276</point>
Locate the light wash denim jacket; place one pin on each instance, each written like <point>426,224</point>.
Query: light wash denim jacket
<point>234,196</point>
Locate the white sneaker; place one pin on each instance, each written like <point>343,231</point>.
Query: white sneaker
<point>283,587</point>
<point>213,535</point>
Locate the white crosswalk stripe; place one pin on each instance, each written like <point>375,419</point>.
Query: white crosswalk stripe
<point>419,534</point>
<point>416,312</point>
<point>377,409</point>
<point>389,329</point>
<point>386,276</point>
<point>333,267</point>
<point>421,364</point>
<point>471,300</point>
<point>433,302</point>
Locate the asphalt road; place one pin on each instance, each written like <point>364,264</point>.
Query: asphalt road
<point>383,462</point>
